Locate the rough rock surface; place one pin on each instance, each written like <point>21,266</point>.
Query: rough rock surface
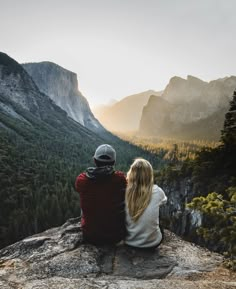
<point>57,258</point>
<point>17,86</point>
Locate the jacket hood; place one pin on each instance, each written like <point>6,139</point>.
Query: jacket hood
<point>99,172</point>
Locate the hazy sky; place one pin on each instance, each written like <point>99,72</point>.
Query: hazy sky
<point>122,47</point>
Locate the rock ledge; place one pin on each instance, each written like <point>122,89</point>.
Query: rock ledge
<point>57,258</point>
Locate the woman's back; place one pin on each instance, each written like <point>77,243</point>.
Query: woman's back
<point>145,232</point>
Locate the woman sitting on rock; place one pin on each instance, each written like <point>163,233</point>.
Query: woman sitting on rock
<point>143,200</point>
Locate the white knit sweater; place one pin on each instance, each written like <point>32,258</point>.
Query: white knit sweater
<point>145,232</point>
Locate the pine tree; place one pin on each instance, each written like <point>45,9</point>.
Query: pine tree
<point>220,221</point>
<point>174,157</point>
<point>229,131</point>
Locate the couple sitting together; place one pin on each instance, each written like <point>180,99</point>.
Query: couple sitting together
<point>115,207</point>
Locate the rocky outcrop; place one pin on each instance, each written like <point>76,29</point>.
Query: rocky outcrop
<point>179,89</point>
<point>195,109</point>
<point>61,86</point>
<point>57,258</point>
<point>124,115</point>
<point>156,115</point>
<point>17,86</point>
<point>210,96</point>
<point>176,216</point>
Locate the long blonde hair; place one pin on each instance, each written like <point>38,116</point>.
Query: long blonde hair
<point>139,187</point>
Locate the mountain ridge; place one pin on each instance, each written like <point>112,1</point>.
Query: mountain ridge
<point>61,85</point>
<point>196,109</point>
<point>125,114</point>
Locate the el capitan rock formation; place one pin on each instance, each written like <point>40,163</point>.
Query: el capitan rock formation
<point>61,85</point>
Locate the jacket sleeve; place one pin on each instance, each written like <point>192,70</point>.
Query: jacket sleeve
<point>79,188</point>
<point>79,183</point>
<point>123,184</point>
<point>163,197</point>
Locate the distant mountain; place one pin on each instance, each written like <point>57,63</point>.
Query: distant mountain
<point>61,86</point>
<point>203,97</point>
<point>17,86</point>
<point>27,112</point>
<point>111,102</point>
<point>156,106</point>
<point>124,115</point>
<point>188,108</point>
<point>21,100</point>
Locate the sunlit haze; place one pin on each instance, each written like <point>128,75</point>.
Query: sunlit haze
<point>118,48</point>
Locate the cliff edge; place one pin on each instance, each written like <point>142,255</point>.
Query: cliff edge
<point>57,258</point>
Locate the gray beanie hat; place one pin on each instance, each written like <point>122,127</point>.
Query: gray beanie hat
<point>105,153</point>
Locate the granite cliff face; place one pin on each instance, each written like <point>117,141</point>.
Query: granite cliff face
<point>57,258</point>
<point>191,108</point>
<point>156,106</point>
<point>176,216</point>
<point>17,86</point>
<point>61,86</point>
<point>209,96</point>
<point>21,99</point>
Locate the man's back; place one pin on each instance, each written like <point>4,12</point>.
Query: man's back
<point>102,194</point>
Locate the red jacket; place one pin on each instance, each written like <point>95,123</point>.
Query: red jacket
<point>102,203</point>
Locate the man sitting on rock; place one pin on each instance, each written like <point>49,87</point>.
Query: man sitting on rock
<point>102,194</point>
